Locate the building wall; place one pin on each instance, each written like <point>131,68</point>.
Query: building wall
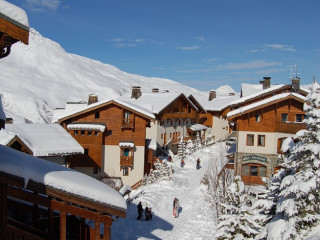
<point>57,160</point>
<point>89,171</point>
<point>220,128</point>
<point>112,164</point>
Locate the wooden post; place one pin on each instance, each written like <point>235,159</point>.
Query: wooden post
<point>97,230</point>
<point>50,223</point>
<point>107,232</point>
<point>63,226</point>
<point>3,211</point>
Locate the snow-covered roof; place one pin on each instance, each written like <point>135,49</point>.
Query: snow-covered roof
<point>155,102</point>
<point>197,127</point>
<point>6,137</point>
<point>144,111</point>
<point>86,126</point>
<point>126,144</point>
<point>265,101</point>
<point>254,90</point>
<point>2,114</point>
<point>59,177</point>
<point>152,144</point>
<point>13,12</point>
<point>45,139</point>
<point>219,103</point>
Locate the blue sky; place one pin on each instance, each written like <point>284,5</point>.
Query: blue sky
<point>200,43</point>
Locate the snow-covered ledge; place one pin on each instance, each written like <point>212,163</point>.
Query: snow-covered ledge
<point>126,144</point>
<point>80,126</point>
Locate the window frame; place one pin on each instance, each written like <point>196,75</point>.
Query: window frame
<point>282,115</point>
<point>301,115</point>
<point>264,141</point>
<point>247,142</point>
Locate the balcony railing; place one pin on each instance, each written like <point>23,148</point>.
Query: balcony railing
<point>127,123</point>
<point>274,126</point>
<point>126,161</point>
<point>178,115</point>
<point>289,127</point>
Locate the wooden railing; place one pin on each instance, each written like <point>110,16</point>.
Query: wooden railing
<point>274,126</point>
<point>127,123</point>
<point>126,161</point>
<point>178,115</point>
<point>289,127</point>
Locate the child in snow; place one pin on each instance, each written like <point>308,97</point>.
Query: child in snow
<point>175,207</point>
<point>147,214</point>
<point>198,163</point>
<point>182,163</point>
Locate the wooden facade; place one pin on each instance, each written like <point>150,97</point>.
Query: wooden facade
<point>122,124</point>
<point>260,132</point>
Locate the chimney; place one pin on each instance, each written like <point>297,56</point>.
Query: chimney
<point>212,95</point>
<point>266,82</point>
<point>295,86</point>
<point>136,93</point>
<point>155,90</point>
<point>92,99</point>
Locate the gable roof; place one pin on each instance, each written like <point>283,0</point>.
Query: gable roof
<point>265,102</point>
<point>42,139</point>
<point>128,105</point>
<point>156,101</point>
<point>219,103</point>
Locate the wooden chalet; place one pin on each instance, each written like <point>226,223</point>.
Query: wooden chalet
<point>43,200</point>
<point>260,126</point>
<point>14,27</point>
<point>113,135</point>
<point>173,112</point>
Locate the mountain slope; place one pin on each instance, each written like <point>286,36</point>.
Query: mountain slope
<point>39,77</point>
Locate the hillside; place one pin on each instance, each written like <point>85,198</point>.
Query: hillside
<point>42,76</point>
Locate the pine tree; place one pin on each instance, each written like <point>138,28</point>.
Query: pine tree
<point>237,222</point>
<point>198,144</point>
<point>189,147</point>
<point>297,209</point>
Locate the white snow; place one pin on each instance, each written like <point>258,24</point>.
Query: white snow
<point>80,126</point>
<point>59,177</point>
<point>152,144</point>
<point>45,139</point>
<point>2,114</point>
<point>6,137</point>
<point>196,218</point>
<point>197,127</point>
<point>48,77</point>
<point>14,12</point>
<point>126,144</point>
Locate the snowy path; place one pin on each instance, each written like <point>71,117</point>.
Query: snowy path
<point>195,220</point>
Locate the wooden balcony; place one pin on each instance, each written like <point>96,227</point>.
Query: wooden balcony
<point>126,161</point>
<point>178,115</point>
<point>127,124</point>
<point>289,127</point>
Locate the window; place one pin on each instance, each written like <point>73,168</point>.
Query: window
<point>258,117</point>
<point>245,170</point>
<point>89,133</point>
<point>75,132</point>
<point>299,117</point>
<point>125,171</point>
<point>97,115</point>
<point>250,139</point>
<point>86,151</point>
<point>109,132</point>
<point>280,141</point>
<point>161,135</point>
<point>254,170</point>
<point>125,152</point>
<point>96,133</point>
<point>261,140</point>
<point>284,117</point>
<point>126,117</point>
<point>83,132</point>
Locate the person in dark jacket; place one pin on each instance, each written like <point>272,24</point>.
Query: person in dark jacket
<point>140,210</point>
<point>147,213</point>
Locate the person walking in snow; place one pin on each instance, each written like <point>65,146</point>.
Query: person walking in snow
<point>176,207</point>
<point>147,213</point>
<point>198,163</point>
<point>140,209</point>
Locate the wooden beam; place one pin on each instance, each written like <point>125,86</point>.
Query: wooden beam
<point>96,230</point>
<point>63,226</point>
<point>106,232</point>
<point>3,211</point>
<point>14,31</point>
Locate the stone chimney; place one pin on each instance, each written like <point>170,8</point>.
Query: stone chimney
<point>266,82</point>
<point>295,86</point>
<point>155,90</point>
<point>136,93</point>
<point>212,95</point>
<point>92,99</point>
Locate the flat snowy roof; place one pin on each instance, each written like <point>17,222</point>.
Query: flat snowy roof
<point>14,14</point>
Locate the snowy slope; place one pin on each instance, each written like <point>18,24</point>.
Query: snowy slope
<point>41,76</point>
<point>196,218</point>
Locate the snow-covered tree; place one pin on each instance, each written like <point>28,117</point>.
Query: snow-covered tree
<point>198,144</point>
<point>161,171</point>
<point>237,222</point>
<point>182,150</point>
<point>297,209</point>
<point>189,147</point>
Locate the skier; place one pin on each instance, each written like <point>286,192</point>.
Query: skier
<point>175,207</point>
<point>140,209</point>
<point>198,163</point>
<point>182,163</point>
<point>150,213</point>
